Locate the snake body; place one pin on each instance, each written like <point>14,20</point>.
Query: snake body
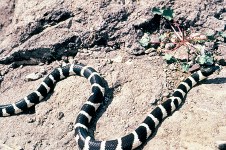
<point>88,110</point>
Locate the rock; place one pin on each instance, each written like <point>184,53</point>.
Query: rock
<point>31,120</point>
<point>222,49</point>
<point>48,30</point>
<point>60,115</point>
<point>53,30</point>
<point>117,59</point>
<point>3,146</point>
<point>150,50</point>
<point>174,38</point>
<point>169,46</point>
<point>43,71</point>
<point>154,40</point>
<point>193,35</point>
<point>209,46</point>
<point>129,62</point>
<point>70,127</point>
<point>152,54</point>
<point>137,49</point>
<point>181,53</point>
<point>172,67</point>
<point>192,17</point>
<point>165,94</point>
<point>33,76</point>
<point>154,101</point>
<point>1,78</point>
<point>194,68</point>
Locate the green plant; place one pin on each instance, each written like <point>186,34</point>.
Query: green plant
<point>205,59</point>
<point>185,67</point>
<point>171,42</point>
<point>165,12</point>
<point>223,34</point>
<point>145,40</point>
<point>169,58</point>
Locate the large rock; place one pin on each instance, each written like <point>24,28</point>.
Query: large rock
<point>47,30</point>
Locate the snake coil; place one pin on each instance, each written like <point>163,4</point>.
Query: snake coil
<point>88,110</point>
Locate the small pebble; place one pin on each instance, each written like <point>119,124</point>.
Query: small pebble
<point>118,59</point>
<point>70,126</point>
<point>33,76</point>
<point>154,101</point>
<point>60,115</point>
<point>194,68</point>
<point>152,54</point>
<point>31,120</point>
<point>165,94</point>
<point>129,62</point>
<point>1,78</point>
<point>169,46</point>
<point>155,38</point>
<point>41,64</point>
<point>71,59</point>
<point>43,71</point>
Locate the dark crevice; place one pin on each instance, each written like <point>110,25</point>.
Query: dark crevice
<point>220,13</point>
<point>54,17</point>
<point>50,18</point>
<point>100,40</point>
<point>150,25</point>
<point>68,47</point>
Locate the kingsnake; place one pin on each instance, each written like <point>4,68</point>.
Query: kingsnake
<point>88,110</point>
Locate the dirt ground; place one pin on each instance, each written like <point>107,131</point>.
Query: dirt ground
<point>136,83</point>
<point>39,35</point>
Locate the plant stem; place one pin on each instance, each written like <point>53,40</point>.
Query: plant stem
<point>178,27</point>
<point>176,33</point>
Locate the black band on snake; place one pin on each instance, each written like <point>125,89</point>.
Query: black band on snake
<point>88,110</point>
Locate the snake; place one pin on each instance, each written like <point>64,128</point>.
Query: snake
<point>84,140</point>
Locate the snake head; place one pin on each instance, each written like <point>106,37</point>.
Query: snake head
<point>208,70</point>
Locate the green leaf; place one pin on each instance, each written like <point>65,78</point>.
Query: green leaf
<point>223,34</point>
<point>168,13</point>
<point>209,60</point>
<point>185,67</point>
<point>144,41</point>
<point>201,60</point>
<point>169,58</point>
<point>157,11</point>
<point>211,38</point>
<point>205,60</point>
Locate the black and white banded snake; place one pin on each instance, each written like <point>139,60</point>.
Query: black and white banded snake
<point>88,110</point>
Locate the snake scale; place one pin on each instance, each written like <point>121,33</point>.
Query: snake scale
<point>88,110</point>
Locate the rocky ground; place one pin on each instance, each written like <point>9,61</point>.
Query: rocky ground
<point>37,36</point>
